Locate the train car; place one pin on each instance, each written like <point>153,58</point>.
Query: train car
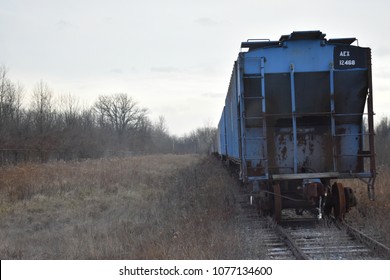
<point>298,117</point>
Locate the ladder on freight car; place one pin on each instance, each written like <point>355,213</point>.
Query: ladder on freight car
<point>261,157</point>
<point>363,153</point>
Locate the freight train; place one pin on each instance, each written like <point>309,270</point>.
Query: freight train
<point>298,118</point>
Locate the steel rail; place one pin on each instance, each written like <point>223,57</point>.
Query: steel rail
<point>287,238</point>
<point>368,241</point>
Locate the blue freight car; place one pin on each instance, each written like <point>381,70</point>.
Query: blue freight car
<point>294,122</point>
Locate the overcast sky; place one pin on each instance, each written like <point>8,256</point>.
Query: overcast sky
<point>174,57</point>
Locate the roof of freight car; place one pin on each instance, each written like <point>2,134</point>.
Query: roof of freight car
<point>296,35</point>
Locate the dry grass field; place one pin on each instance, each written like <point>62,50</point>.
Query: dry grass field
<point>373,217</point>
<point>149,207</point>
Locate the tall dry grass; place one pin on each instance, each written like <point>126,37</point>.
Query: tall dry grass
<point>150,207</point>
<point>372,217</point>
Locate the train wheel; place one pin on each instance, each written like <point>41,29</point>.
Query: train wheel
<point>339,205</point>
<point>277,203</point>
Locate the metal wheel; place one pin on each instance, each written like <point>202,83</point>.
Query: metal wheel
<point>339,205</point>
<point>277,203</point>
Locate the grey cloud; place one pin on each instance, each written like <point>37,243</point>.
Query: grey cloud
<point>108,19</point>
<point>381,52</point>
<point>165,69</point>
<point>116,71</point>
<point>212,95</point>
<point>206,21</point>
<point>63,24</point>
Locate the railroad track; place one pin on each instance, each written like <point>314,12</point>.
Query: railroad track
<point>308,238</point>
<point>261,234</point>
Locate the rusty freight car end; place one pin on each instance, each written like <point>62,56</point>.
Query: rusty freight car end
<point>294,122</point>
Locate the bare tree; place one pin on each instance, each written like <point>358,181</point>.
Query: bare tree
<point>42,107</point>
<point>43,120</point>
<point>121,114</point>
<point>162,141</point>
<point>10,108</point>
<point>160,125</point>
<point>69,106</point>
<point>6,98</point>
<point>119,111</point>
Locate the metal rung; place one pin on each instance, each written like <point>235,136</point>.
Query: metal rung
<point>357,155</point>
<point>254,178</point>
<point>255,138</point>
<point>281,177</point>
<point>254,97</point>
<point>354,134</point>
<point>253,77</point>
<point>265,159</point>
<point>254,118</point>
<point>347,114</point>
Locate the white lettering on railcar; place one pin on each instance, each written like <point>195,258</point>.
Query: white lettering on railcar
<point>350,62</point>
<point>344,53</point>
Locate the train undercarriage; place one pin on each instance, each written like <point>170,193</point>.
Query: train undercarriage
<point>312,195</point>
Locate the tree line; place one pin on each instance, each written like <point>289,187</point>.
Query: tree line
<point>114,125</point>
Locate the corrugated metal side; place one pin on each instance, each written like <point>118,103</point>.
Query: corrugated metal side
<point>222,150</point>
<point>232,117</point>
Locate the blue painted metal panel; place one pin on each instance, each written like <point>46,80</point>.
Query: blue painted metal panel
<point>349,146</point>
<point>306,55</point>
<point>222,148</point>
<point>232,118</point>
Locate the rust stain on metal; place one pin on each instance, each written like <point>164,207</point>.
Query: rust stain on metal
<point>313,191</point>
<point>283,153</point>
<point>257,170</point>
